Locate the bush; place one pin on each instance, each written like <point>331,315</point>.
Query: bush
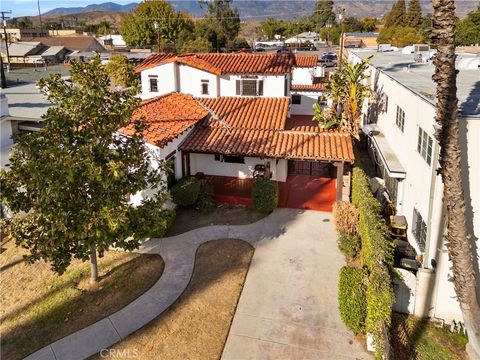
<point>185,192</point>
<point>351,298</point>
<point>265,195</point>
<point>345,217</point>
<point>349,244</point>
<point>162,221</point>
<point>205,202</point>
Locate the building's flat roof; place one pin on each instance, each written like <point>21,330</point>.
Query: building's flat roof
<point>418,78</point>
<point>26,101</point>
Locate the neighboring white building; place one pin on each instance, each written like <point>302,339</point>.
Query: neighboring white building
<point>112,40</point>
<point>406,153</point>
<point>303,37</point>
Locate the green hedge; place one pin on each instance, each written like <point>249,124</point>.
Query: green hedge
<point>351,298</point>
<point>205,201</point>
<point>349,245</point>
<point>377,248</point>
<point>265,195</point>
<point>185,192</point>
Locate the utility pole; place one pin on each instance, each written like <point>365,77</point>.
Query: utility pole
<point>4,22</point>
<point>341,18</point>
<point>39,14</point>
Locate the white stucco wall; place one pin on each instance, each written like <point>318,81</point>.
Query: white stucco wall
<point>273,85</point>
<point>207,164</point>
<point>302,75</point>
<point>165,77</point>
<point>191,81</point>
<point>308,99</point>
<point>423,189</point>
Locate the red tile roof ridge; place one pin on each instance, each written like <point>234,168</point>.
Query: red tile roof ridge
<point>320,131</point>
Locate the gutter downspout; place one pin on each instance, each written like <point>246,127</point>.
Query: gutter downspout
<point>433,184</point>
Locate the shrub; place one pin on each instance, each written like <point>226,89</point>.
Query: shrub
<point>351,298</point>
<point>162,221</point>
<point>345,217</point>
<point>265,195</point>
<point>185,192</point>
<point>349,244</point>
<point>205,201</point>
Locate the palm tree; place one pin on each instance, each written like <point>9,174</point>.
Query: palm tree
<point>347,90</point>
<point>458,239</point>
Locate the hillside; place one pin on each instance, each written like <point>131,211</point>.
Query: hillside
<point>249,10</point>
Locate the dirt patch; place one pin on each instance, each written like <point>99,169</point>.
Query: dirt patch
<point>188,219</point>
<point>39,307</point>
<point>197,325</point>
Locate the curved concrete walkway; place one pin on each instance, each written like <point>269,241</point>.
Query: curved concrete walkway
<point>178,253</point>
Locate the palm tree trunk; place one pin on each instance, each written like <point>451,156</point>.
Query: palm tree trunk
<point>458,239</point>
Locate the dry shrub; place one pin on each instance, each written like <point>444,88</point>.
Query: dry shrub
<point>345,217</point>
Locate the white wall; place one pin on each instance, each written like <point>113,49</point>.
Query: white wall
<point>308,99</point>
<point>423,189</point>
<point>191,80</point>
<point>302,75</point>
<point>165,77</point>
<point>207,164</point>
<point>273,85</point>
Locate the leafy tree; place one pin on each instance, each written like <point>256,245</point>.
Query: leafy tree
<point>272,27</point>
<point>197,45</point>
<point>121,71</point>
<point>352,24</point>
<point>368,24</point>
<point>413,17</point>
<point>400,36</point>
<point>396,17</point>
<point>222,21</point>
<point>298,26</point>
<point>104,28</point>
<point>323,14</point>
<point>69,183</point>
<point>138,28</point>
<point>458,238</point>
<point>347,91</point>
<point>333,34</point>
<point>468,29</point>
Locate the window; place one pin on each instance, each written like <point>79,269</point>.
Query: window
<point>400,118</point>
<point>153,84</point>
<point>234,159</point>
<point>424,145</point>
<point>204,87</point>
<point>419,230</point>
<point>296,99</point>
<point>385,103</point>
<point>249,87</point>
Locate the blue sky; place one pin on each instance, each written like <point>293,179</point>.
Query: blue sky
<point>29,7</point>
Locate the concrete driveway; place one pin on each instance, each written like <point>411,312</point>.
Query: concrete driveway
<point>289,308</point>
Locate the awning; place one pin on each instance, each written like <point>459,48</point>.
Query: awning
<point>384,153</point>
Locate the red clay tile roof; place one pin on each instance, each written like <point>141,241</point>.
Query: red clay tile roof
<point>258,127</point>
<point>168,117</point>
<point>317,85</point>
<point>248,112</point>
<point>232,63</point>
<point>328,146</point>
<point>306,60</point>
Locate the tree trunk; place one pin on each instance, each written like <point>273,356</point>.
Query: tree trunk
<point>458,239</point>
<point>2,74</point>
<point>93,265</point>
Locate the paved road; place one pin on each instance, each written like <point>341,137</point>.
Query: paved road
<point>288,308</point>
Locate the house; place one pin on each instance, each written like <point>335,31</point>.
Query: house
<point>79,43</point>
<point>21,52</point>
<point>22,34</point>
<point>360,40</point>
<point>112,41</point>
<point>308,36</point>
<point>228,117</point>
<point>405,153</point>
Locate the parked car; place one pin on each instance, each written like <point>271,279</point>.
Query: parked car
<point>259,49</point>
<point>283,51</point>
<point>328,60</point>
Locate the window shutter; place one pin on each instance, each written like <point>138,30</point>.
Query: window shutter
<point>238,87</point>
<point>260,88</point>
<point>414,223</point>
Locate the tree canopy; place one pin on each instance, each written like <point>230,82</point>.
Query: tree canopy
<point>323,14</point>
<point>68,184</point>
<point>413,18</point>
<point>468,29</point>
<point>400,36</point>
<point>121,71</point>
<point>138,28</point>
<point>396,17</point>
<point>222,23</point>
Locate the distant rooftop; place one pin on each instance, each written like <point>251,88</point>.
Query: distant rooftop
<point>26,101</point>
<point>361,34</point>
<point>418,77</point>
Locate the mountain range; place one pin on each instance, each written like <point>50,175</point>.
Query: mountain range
<point>258,9</point>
